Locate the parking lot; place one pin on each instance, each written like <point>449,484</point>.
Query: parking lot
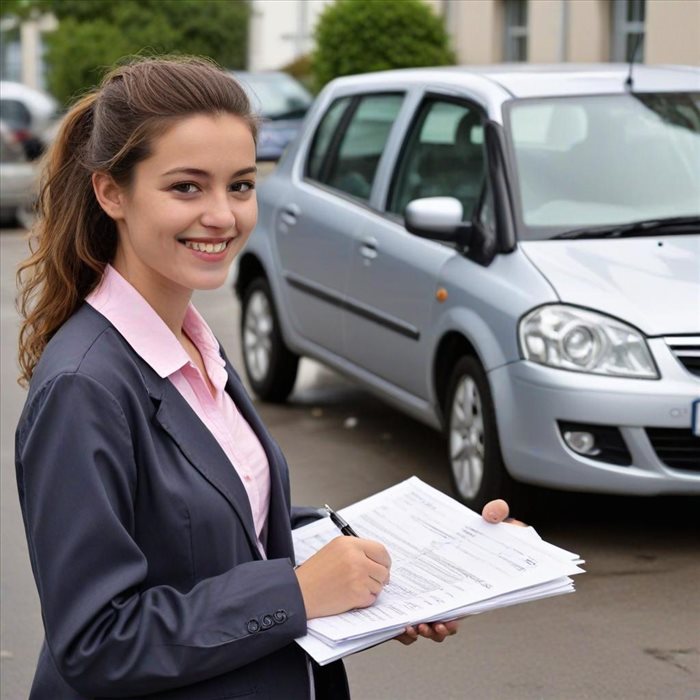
<point>630,631</point>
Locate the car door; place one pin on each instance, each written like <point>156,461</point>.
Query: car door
<point>316,226</point>
<point>395,275</point>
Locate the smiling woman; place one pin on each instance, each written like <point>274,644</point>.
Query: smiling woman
<point>186,212</point>
<point>156,504</point>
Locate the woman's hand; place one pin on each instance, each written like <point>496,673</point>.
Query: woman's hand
<point>435,631</point>
<point>349,572</point>
<point>497,512</point>
<point>493,512</point>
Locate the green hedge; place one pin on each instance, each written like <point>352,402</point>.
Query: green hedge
<point>93,34</point>
<point>361,36</point>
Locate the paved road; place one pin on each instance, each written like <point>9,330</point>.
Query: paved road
<point>631,631</point>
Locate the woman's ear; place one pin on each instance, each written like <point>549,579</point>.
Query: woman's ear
<point>109,194</point>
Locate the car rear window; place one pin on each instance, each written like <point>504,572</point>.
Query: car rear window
<point>350,140</point>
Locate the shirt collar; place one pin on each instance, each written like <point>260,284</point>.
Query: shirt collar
<point>146,332</point>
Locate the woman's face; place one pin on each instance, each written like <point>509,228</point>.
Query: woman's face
<point>189,209</point>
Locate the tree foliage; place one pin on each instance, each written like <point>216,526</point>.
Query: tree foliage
<point>361,36</point>
<point>93,34</point>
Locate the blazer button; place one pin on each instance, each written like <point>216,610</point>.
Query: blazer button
<point>280,616</point>
<point>267,622</point>
<point>253,626</point>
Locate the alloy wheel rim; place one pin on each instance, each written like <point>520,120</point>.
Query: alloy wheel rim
<point>467,438</point>
<point>257,335</point>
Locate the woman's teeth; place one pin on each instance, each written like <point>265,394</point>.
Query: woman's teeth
<point>206,247</point>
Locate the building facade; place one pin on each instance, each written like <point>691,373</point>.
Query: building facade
<point>281,31</point>
<point>579,31</point>
<point>494,31</point>
<point>482,31</point>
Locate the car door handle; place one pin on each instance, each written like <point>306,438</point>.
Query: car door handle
<point>368,248</point>
<point>289,214</point>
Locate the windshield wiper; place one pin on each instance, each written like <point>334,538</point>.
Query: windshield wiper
<point>646,227</point>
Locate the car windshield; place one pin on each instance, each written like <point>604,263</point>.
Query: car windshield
<point>601,161</point>
<point>277,96</point>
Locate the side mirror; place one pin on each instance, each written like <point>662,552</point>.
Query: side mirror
<point>439,219</point>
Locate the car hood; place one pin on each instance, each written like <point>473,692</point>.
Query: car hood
<point>652,283</point>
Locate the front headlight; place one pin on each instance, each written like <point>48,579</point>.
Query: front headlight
<point>585,341</point>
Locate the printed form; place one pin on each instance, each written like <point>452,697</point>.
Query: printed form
<point>447,562</point>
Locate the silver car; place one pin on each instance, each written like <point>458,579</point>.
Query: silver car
<point>508,254</point>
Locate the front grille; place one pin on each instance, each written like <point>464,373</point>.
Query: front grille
<point>677,448</point>
<point>687,351</point>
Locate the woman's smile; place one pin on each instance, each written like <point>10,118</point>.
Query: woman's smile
<point>209,249</point>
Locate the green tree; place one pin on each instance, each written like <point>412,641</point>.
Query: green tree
<point>93,34</point>
<point>361,36</point>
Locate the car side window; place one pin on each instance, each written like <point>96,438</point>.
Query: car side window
<point>15,114</point>
<point>348,160</point>
<point>324,136</point>
<point>443,157</point>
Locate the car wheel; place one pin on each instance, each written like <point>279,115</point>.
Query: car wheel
<point>476,466</point>
<point>270,366</point>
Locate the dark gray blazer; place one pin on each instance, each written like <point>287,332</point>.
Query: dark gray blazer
<point>142,542</point>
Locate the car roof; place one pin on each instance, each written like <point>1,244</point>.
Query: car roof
<point>37,100</point>
<point>522,80</point>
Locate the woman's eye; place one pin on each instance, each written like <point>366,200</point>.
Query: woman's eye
<point>242,186</point>
<point>185,187</point>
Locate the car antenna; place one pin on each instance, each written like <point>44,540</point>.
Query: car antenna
<point>633,58</point>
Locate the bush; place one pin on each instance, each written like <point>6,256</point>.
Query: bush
<point>361,36</point>
<point>92,35</point>
<point>300,68</point>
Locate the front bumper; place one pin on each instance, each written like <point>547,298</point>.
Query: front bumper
<point>530,399</point>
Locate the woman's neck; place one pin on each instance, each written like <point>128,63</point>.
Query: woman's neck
<point>169,301</point>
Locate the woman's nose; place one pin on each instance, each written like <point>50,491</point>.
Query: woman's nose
<point>219,213</point>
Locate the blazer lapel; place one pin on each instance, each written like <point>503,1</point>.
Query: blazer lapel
<point>279,534</point>
<point>203,451</point>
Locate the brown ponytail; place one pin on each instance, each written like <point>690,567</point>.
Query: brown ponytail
<point>109,130</point>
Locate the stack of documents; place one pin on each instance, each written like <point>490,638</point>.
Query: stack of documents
<point>447,562</point>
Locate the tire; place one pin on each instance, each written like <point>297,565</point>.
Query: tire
<point>473,451</point>
<point>270,366</point>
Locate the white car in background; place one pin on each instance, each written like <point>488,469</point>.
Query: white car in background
<point>17,181</point>
<point>30,114</point>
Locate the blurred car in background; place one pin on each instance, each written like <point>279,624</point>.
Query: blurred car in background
<point>17,181</point>
<point>282,102</point>
<point>509,254</point>
<point>29,113</point>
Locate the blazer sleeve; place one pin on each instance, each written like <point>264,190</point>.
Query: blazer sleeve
<point>107,635</point>
<point>304,515</point>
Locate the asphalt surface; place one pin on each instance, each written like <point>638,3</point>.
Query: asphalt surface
<point>631,630</point>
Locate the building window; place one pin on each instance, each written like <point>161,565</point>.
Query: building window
<point>628,29</point>
<point>515,15</point>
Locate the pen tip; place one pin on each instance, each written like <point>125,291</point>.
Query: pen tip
<point>327,507</point>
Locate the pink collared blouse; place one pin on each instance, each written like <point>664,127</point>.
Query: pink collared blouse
<point>155,343</point>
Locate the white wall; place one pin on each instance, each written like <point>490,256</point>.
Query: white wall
<point>673,32</point>
<point>281,30</point>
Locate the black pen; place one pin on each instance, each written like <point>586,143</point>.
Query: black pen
<point>340,523</point>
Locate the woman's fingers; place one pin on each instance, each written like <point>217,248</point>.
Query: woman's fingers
<point>513,521</point>
<point>409,635</point>
<point>435,631</point>
<point>349,572</point>
<point>495,511</point>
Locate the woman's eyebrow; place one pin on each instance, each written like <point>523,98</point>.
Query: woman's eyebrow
<point>203,173</point>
